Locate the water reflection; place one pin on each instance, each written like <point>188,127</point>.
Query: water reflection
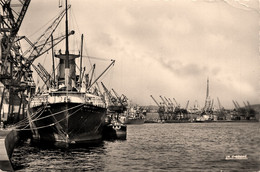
<point>32,157</point>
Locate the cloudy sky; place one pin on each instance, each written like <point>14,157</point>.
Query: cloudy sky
<point>165,47</point>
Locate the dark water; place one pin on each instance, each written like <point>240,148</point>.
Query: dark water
<point>155,147</point>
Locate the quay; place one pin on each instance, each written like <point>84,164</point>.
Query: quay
<point>9,138</point>
<point>7,143</point>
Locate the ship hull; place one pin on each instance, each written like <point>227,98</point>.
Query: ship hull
<point>134,121</point>
<point>178,121</point>
<point>69,123</point>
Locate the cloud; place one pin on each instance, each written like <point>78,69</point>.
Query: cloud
<point>184,70</point>
<point>162,46</point>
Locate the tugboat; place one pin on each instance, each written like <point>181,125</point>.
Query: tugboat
<point>133,116</point>
<point>69,112</point>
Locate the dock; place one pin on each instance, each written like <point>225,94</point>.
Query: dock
<point>9,138</point>
<point>5,163</point>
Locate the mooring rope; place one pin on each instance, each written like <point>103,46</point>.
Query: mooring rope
<point>26,120</point>
<point>52,124</point>
<point>58,112</point>
<point>24,128</point>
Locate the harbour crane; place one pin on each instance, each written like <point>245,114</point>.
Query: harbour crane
<point>222,114</point>
<point>171,102</point>
<point>248,104</point>
<point>42,45</point>
<point>236,107</point>
<point>122,102</point>
<point>242,112</point>
<point>155,101</point>
<point>44,75</point>
<point>164,102</point>
<point>114,104</point>
<point>219,104</point>
<point>167,102</point>
<point>177,105</point>
<point>117,96</point>
<point>124,99</point>
<point>111,98</point>
<point>11,16</point>
<point>170,108</point>
<point>251,111</point>
<point>161,109</point>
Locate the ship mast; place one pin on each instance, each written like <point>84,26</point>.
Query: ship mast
<point>67,65</point>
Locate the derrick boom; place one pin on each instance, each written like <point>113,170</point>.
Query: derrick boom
<point>155,101</point>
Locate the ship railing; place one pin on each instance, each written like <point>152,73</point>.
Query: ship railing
<point>95,102</point>
<point>61,96</point>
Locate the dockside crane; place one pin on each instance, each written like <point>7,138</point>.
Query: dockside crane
<point>124,99</point>
<point>241,112</point>
<point>221,115</point>
<point>237,104</point>
<point>41,74</point>
<point>117,96</point>
<point>236,107</point>
<point>219,105</point>
<point>42,45</point>
<point>44,75</point>
<point>114,104</point>
<point>15,66</point>
<point>170,109</point>
<point>187,105</point>
<point>167,101</point>
<point>122,102</point>
<point>171,102</point>
<point>155,101</point>
<point>161,109</point>
<point>170,105</point>
<point>245,104</point>
<point>11,16</point>
<point>251,112</point>
<point>248,104</point>
<point>164,102</point>
<point>111,99</point>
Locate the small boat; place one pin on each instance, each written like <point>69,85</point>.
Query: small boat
<point>132,116</point>
<point>115,130</point>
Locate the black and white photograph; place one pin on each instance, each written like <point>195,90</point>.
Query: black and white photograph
<point>130,85</point>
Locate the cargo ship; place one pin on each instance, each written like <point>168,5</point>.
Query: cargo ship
<point>71,111</point>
